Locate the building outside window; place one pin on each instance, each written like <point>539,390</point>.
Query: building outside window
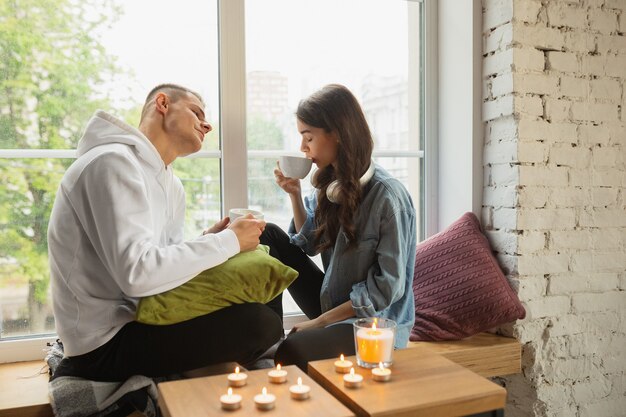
<point>62,59</point>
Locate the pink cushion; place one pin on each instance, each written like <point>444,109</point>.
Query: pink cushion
<point>458,286</point>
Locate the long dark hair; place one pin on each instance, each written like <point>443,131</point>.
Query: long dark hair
<point>335,109</point>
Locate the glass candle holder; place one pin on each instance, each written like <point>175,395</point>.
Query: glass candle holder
<point>373,340</point>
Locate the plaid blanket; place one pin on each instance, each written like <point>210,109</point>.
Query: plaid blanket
<point>78,397</point>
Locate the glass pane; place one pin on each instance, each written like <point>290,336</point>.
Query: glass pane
<point>200,177</point>
<point>25,204</point>
<point>154,43</point>
<point>407,171</point>
<point>66,60</point>
<point>284,69</point>
<point>376,55</point>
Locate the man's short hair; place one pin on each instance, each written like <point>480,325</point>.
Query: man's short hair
<point>174,91</point>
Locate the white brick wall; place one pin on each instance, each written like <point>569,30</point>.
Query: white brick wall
<point>555,196</point>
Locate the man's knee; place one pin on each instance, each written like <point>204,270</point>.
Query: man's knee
<point>264,325</point>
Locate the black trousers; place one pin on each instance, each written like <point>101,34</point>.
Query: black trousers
<point>308,345</point>
<point>239,333</point>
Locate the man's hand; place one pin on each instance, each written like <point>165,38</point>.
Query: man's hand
<point>248,230</point>
<point>218,227</point>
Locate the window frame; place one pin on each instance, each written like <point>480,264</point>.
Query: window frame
<point>233,153</point>
<point>430,119</point>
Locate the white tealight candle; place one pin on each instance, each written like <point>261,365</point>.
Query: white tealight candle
<point>264,401</point>
<point>342,366</point>
<point>381,374</point>
<point>299,391</point>
<point>237,379</point>
<point>230,401</point>
<point>277,376</point>
<point>352,380</point>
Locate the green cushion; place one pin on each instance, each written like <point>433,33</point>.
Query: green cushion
<point>248,277</point>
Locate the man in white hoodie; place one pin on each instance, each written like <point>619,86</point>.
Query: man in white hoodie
<point>116,235</point>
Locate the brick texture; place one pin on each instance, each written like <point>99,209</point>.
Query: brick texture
<point>554,203</point>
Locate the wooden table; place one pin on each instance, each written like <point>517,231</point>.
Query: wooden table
<point>200,397</point>
<point>422,384</point>
<point>486,354</point>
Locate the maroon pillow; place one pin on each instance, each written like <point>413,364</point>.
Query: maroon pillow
<point>458,286</point>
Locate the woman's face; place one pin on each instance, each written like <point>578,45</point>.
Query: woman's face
<point>318,145</point>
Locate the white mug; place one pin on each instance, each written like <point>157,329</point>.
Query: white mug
<point>239,212</point>
<point>294,166</point>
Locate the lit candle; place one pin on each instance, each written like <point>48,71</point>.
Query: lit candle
<point>299,391</point>
<point>352,380</point>
<point>277,376</point>
<point>264,401</point>
<point>230,401</point>
<point>381,374</point>
<point>374,345</point>
<point>342,366</point>
<point>237,379</point>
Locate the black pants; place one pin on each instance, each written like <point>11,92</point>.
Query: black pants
<point>304,346</point>
<point>240,333</point>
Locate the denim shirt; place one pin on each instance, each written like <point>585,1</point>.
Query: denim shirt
<point>377,275</point>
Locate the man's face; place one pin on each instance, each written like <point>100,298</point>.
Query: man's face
<point>186,125</point>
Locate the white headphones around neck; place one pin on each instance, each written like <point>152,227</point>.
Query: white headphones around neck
<point>334,188</point>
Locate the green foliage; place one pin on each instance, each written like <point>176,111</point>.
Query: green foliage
<point>263,134</point>
<point>36,269</point>
<point>201,179</point>
<point>132,116</point>
<point>52,67</point>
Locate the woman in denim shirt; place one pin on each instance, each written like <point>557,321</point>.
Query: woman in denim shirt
<point>362,222</point>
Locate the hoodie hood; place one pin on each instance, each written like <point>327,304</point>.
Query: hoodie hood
<point>104,129</point>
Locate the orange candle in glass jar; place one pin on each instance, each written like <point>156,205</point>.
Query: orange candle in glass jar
<point>375,344</point>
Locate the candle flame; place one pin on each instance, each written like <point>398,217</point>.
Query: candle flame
<point>278,367</point>
<point>299,381</point>
<point>341,357</point>
<point>237,370</point>
<point>230,391</point>
<point>380,365</point>
<point>351,371</point>
<point>374,326</point>
<point>264,391</point>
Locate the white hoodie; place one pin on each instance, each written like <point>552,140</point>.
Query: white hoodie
<point>116,234</point>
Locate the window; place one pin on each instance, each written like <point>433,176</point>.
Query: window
<point>326,44</point>
<point>65,62</point>
<point>68,58</point>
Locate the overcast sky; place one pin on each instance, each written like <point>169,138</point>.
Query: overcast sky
<point>330,40</point>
